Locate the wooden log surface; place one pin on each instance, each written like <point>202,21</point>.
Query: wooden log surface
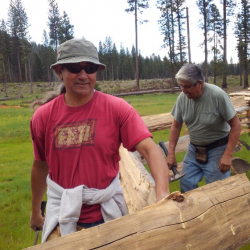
<point>238,101</point>
<point>215,216</point>
<point>240,93</point>
<point>158,122</point>
<point>137,184</point>
<point>247,100</point>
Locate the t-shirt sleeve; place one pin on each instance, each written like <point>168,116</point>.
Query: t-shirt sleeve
<point>226,108</point>
<point>176,111</point>
<point>37,137</point>
<point>132,127</point>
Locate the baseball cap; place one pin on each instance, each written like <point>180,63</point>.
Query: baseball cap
<point>76,51</point>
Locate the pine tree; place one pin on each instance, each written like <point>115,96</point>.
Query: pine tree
<point>66,30</point>
<point>5,49</point>
<point>134,7</point>
<point>243,34</point>
<point>228,10</point>
<point>215,27</point>
<point>37,73</point>
<point>47,56</point>
<point>18,27</point>
<point>203,6</point>
<point>54,23</point>
<point>101,58</point>
<point>107,49</point>
<point>167,26</point>
<point>3,74</point>
<point>181,38</point>
<point>122,62</point>
<point>115,61</point>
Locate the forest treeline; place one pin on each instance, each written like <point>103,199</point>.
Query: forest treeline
<point>22,60</point>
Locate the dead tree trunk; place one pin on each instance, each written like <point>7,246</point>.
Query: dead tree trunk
<point>215,216</point>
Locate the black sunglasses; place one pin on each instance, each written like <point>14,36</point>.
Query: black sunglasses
<point>76,68</point>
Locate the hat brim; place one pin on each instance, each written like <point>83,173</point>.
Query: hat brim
<point>78,60</point>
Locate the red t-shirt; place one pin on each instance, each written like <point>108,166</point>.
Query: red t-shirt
<point>81,144</point>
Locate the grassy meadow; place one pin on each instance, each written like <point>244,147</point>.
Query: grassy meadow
<point>16,155</point>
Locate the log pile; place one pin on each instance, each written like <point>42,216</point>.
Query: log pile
<point>242,105</point>
<point>215,216</point>
<point>245,94</point>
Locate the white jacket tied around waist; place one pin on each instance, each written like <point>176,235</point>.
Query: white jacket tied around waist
<point>64,205</point>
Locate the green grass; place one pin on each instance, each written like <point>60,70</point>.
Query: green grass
<point>152,104</point>
<point>16,156</point>
<point>15,165</point>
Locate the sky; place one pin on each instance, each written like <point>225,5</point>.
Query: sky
<point>97,19</point>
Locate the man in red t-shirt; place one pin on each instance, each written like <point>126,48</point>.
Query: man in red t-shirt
<point>76,137</point>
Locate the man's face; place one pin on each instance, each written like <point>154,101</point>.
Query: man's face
<point>191,91</point>
<point>78,78</point>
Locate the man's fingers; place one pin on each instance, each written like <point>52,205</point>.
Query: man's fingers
<point>224,168</point>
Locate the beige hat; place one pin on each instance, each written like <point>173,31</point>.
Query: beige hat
<point>76,51</point>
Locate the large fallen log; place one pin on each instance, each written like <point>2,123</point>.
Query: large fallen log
<point>238,101</point>
<point>215,216</point>
<point>152,91</point>
<point>247,99</point>
<point>240,93</point>
<point>158,122</point>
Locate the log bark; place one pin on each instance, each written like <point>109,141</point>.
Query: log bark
<point>215,216</point>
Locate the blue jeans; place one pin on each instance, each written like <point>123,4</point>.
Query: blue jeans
<point>88,225</point>
<point>195,170</point>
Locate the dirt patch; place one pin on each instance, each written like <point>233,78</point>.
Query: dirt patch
<point>7,106</point>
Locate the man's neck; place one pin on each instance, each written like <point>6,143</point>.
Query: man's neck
<point>77,101</point>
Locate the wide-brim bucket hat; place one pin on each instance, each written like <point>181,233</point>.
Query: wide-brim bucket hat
<point>76,51</point>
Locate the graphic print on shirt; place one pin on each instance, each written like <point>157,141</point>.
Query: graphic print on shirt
<point>74,135</point>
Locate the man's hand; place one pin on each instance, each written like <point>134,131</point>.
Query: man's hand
<point>173,139</point>
<point>225,163</point>
<point>36,220</point>
<point>39,173</point>
<point>171,160</point>
<point>158,166</point>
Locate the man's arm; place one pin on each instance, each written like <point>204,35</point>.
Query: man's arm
<point>39,173</point>
<point>158,166</point>
<point>173,139</point>
<point>226,159</point>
